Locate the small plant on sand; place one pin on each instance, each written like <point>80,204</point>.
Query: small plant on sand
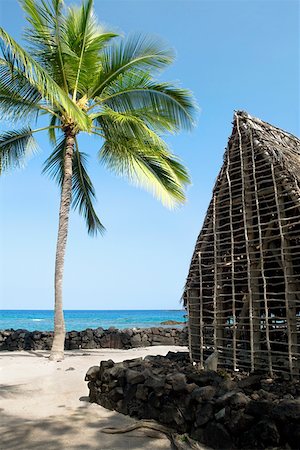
<point>86,79</point>
<point>222,373</point>
<point>184,438</point>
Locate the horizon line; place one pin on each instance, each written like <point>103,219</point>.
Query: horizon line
<point>144,309</point>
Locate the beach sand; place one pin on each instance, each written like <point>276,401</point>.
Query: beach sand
<point>44,405</point>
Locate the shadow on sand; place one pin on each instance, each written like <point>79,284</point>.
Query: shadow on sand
<point>74,431</point>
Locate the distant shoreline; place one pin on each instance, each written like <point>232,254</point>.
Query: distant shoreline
<point>82,319</point>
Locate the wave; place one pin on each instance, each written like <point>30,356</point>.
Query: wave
<point>37,320</point>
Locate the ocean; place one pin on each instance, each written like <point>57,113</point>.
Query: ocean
<point>42,320</point>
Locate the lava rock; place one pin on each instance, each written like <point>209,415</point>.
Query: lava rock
<point>216,436</point>
<point>142,392</point>
<point>162,340</point>
<point>136,340</point>
<point>134,377</point>
<point>291,433</point>
<point>203,414</point>
<point>261,435</point>
<point>204,378</point>
<point>116,394</point>
<point>155,382</point>
<point>287,409</point>
<point>220,415</point>
<point>92,374</point>
<point>237,421</point>
<point>259,408</point>
<point>239,400</point>
<point>117,371</point>
<point>178,381</point>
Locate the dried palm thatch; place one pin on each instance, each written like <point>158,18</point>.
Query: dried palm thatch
<point>243,286</point>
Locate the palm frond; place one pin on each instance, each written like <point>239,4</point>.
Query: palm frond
<point>55,121</point>
<point>44,36</point>
<point>18,98</point>
<point>84,193</point>
<point>138,52</point>
<point>170,107</point>
<point>15,147</point>
<point>149,167</point>
<point>54,165</point>
<point>84,25</point>
<point>130,124</point>
<point>85,39</point>
<point>42,81</point>
<point>153,119</point>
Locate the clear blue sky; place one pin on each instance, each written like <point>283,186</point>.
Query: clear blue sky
<point>233,55</point>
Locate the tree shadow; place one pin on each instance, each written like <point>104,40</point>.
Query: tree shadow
<point>10,390</point>
<point>28,353</point>
<point>74,431</point>
<point>37,354</point>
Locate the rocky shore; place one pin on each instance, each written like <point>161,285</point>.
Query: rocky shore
<point>94,338</point>
<point>219,409</point>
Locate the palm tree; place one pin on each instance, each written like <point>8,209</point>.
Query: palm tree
<point>86,79</point>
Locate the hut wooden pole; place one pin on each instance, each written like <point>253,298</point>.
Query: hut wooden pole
<point>262,264</point>
<point>215,294</point>
<point>243,314</point>
<point>254,301</point>
<point>234,331</point>
<point>218,324</point>
<point>189,325</point>
<point>193,322</point>
<point>250,274</point>
<point>287,268</point>
<point>201,312</point>
<point>254,268</point>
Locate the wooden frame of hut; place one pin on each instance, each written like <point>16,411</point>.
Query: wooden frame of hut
<point>243,288</point>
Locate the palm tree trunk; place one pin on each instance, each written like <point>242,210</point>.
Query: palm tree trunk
<point>57,350</point>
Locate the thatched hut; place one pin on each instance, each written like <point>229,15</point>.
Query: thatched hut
<point>243,288</point>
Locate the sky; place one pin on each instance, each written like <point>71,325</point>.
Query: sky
<point>240,54</point>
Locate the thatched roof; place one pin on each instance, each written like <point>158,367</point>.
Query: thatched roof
<point>279,146</point>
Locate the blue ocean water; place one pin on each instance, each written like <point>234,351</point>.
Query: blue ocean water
<point>42,320</point>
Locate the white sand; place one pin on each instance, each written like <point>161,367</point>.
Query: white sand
<point>44,406</point>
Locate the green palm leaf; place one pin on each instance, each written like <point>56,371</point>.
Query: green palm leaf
<point>38,77</point>
<point>18,98</point>
<point>131,124</point>
<point>84,193</point>
<point>138,52</point>
<point>15,147</point>
<point>44,35</point>
<point>147,166</point>
<point>55,121</point>
<point>82,23</point>
<point>171,106</point>
<point>54,165</point>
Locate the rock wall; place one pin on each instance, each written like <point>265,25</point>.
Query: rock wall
<point>219,409</point>
<point>97,338</point>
